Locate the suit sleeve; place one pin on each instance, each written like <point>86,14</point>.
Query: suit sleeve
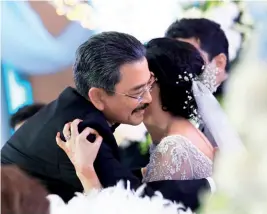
<point>110,171</point>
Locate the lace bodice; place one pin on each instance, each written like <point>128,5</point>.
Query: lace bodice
<point>176,158</point>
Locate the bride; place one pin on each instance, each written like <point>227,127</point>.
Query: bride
<point>182,100</point>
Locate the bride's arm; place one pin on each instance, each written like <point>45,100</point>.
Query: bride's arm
<point>89,179</point>
<point>81,153</point>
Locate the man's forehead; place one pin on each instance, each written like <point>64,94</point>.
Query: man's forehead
<point>196,43</point>
<point>134,74</point>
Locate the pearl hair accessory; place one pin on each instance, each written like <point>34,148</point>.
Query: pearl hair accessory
<point>208,78</point>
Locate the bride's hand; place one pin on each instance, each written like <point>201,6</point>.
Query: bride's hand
<point>80,151</point>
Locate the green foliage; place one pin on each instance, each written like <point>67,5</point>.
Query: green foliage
<point>144,146</point>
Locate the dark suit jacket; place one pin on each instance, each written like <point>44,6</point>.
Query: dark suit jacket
<point>33,148</point>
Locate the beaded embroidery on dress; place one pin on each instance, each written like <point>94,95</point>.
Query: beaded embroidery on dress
<point>176,158</point>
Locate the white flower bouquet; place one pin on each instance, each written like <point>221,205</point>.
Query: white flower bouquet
<point>115,200</point>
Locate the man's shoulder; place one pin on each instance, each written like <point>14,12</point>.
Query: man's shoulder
<point>70,98</point>
<point>43,126</point>
<point>68,106</point>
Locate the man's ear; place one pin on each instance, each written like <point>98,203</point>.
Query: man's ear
<point>96,96</point>
<point>221,62</point>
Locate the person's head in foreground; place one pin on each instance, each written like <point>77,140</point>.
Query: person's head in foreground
<point>208,37</point>
<point>112,72</point>
<point>175,64</point>
<point>21,194</point>
<point>23,114</point>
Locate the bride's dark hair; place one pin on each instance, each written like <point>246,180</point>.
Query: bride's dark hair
<point>175,64</point>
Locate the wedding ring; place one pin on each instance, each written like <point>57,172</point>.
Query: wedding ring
<point>68,137</point>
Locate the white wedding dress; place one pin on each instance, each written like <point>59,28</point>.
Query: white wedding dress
<point>176,158</point>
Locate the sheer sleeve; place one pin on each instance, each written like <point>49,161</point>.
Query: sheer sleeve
<point>170,160</point>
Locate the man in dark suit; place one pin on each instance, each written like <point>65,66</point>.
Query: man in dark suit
<point>113,85</point>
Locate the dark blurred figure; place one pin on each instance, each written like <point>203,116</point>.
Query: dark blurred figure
<point>20,194</point>
<point>23,114</point>
<point>132,156</point>
<point>208,37</point>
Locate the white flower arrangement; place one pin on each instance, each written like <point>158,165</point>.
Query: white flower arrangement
<point>115,200</point>
<point>98,15</point>
<point>76,10</point>
<point>242,180</point>
<point>125,134</point>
